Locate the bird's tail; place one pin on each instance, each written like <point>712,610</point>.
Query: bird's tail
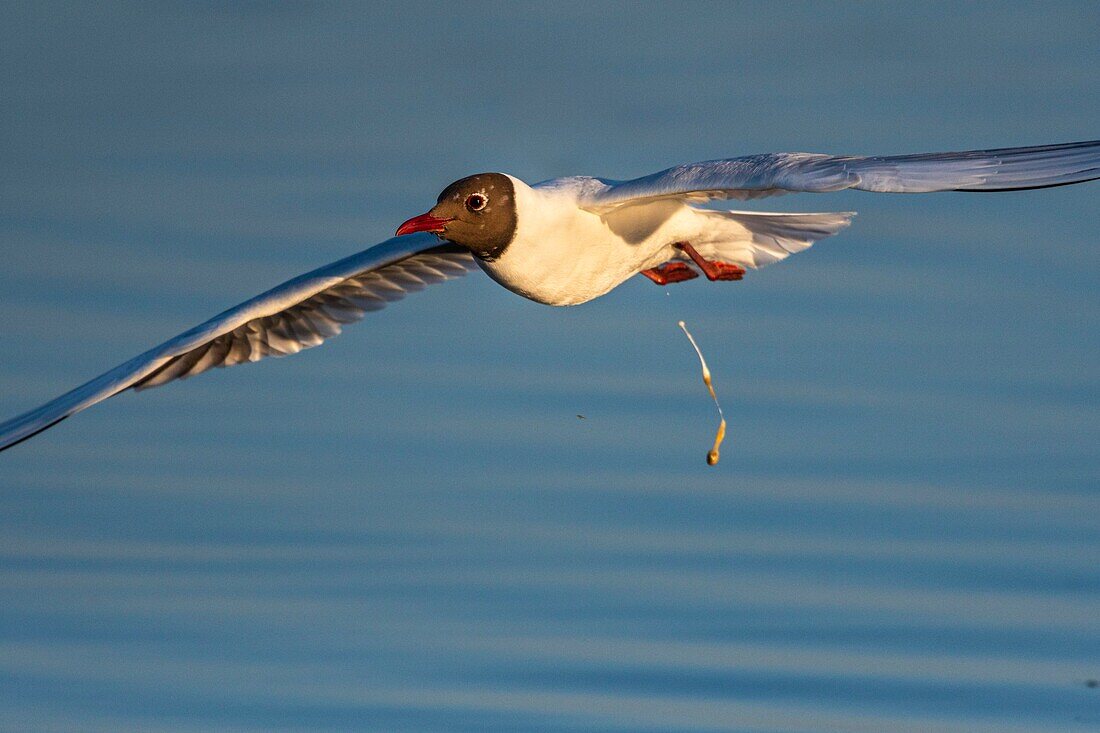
<point>754,239</point>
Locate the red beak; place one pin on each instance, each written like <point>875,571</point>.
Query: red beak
<point>422,223</point>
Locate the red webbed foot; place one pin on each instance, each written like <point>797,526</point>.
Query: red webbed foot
<point>671,272</point>
<point>714,270</point>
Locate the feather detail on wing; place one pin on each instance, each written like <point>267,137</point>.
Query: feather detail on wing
<point>756,176</point>
<point>317,318</point>
<point>299,314</point>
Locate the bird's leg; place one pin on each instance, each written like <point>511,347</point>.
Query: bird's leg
<point>713,270</point>
<point>671,272</point>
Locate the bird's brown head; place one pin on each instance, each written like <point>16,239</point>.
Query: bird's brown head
<point>477,212</point>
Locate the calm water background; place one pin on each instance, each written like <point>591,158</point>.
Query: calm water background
<point>409,528</point>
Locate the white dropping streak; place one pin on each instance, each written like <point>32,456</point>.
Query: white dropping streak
<point>712,455</point>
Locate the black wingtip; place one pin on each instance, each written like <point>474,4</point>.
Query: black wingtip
<point>1028,188</point>
<point>36,432</point>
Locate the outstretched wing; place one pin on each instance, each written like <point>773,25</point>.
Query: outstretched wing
<point>756,176</point>
<point>296,315</point>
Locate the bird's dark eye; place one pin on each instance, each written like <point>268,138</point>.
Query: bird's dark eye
<point>476,202</point>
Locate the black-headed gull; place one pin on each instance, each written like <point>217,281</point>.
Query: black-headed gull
<point>566,241</point>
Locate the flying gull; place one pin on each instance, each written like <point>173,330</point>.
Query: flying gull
<point>566,241</point>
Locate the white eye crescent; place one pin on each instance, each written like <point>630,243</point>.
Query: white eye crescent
<point>476,201</point>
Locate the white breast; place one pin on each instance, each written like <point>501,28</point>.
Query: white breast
<point>564,255</point>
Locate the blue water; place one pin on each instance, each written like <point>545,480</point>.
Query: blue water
<point>410,529</point>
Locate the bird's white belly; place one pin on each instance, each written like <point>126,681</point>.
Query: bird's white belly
<point>568,256</point>
<point>563,275</point>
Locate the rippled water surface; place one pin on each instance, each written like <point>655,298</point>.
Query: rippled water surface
<point>410,529</point>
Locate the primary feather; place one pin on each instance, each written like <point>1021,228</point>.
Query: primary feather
<point>296,315</point>
<point>756,176</point>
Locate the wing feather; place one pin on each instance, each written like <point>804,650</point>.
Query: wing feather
<point>756,176</point>
<point>296,315</point>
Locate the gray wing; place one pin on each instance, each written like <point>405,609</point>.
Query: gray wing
<point>756,176</point>
<point>296,315</point>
